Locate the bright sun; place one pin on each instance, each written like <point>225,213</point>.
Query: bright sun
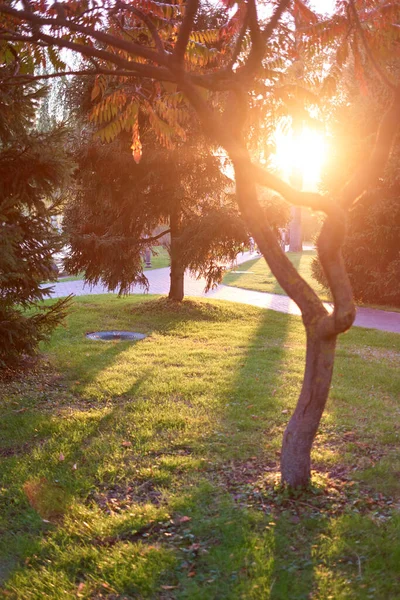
<point>305,153</point>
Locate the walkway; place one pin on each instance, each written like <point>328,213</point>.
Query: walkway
<point>159,284</point>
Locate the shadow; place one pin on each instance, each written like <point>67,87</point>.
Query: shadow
<point>260,277</point>
<point>293,573</point>
<point>175,484</point>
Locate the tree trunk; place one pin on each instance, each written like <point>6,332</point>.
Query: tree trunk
<point>303,425</point>
<point>296,180</point>
<point>295,229</point>
<point>177,273</point>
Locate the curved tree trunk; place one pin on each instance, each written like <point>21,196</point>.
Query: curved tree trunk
<point>303,425</point>
<point>176,289</point>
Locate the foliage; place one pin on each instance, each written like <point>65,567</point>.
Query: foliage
<point>118,205</point>
<point>371,249</point>
<point>32,166</point>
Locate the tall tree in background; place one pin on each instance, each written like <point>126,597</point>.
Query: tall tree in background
<point>33,166</point>
<point>164,47</point>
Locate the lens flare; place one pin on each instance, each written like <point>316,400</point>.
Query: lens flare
<point>305,153</point>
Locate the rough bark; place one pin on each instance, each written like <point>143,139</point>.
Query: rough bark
<point>303,425</point>
<point>320,356</point>
<point>177,273</point>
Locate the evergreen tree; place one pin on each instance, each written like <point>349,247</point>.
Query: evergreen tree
<point>119,204</point>
<point>32,166</point>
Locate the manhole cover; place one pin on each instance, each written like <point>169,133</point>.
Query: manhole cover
<point>112,336</point>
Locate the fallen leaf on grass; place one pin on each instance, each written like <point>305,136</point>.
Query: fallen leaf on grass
<point>126,444</point>
<point>169,587</point>
<point>185,519</point>
<point>80,589</point>
<point>47,498</point>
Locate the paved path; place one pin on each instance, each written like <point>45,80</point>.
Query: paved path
<point>159,284</point>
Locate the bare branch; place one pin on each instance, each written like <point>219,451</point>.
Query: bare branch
<point>273,22</point>
<point>154,238</point>
<point>311,200</point>
<point>185,29</point>
<point>298,289</point>
<point>259,38</point>
<point>294,285</point>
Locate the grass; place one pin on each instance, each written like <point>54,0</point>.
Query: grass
<point>260,278</point>
<point>148,470</point>
<point>159,260</point>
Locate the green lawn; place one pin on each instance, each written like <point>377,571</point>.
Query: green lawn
<point>261,279</point>
<point>159,260</point>
<point>149,470</point>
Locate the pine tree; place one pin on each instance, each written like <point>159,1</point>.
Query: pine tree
<point>118,205</point>
<point>33,166</point>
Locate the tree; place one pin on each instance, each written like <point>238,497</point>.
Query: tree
<point>371,250</point>
<point>32,166</point>
<point>119,204</point>
<point>228,63</point>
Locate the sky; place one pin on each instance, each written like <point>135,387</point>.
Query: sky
<point>323,6</point>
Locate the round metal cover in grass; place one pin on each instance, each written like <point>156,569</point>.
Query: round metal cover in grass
<point>115,336</point>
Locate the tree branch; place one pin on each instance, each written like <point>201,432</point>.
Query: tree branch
<point>273,22</point>
<point>372,169</point>
<point>297,288</point>
<point>238,45</point>
<point>259,38</point>
<point>154,238</point>
<point>382,75</point>
<point>295,197</point>
<point>185,29</point>
<point>147,21</point>
<point>105,38</point>
<point>132,68</point>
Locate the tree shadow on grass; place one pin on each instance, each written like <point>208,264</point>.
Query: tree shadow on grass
<point>224,537</point>
<point>262,275</point>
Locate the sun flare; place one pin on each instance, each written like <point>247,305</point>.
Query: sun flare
<point>305,153</point>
